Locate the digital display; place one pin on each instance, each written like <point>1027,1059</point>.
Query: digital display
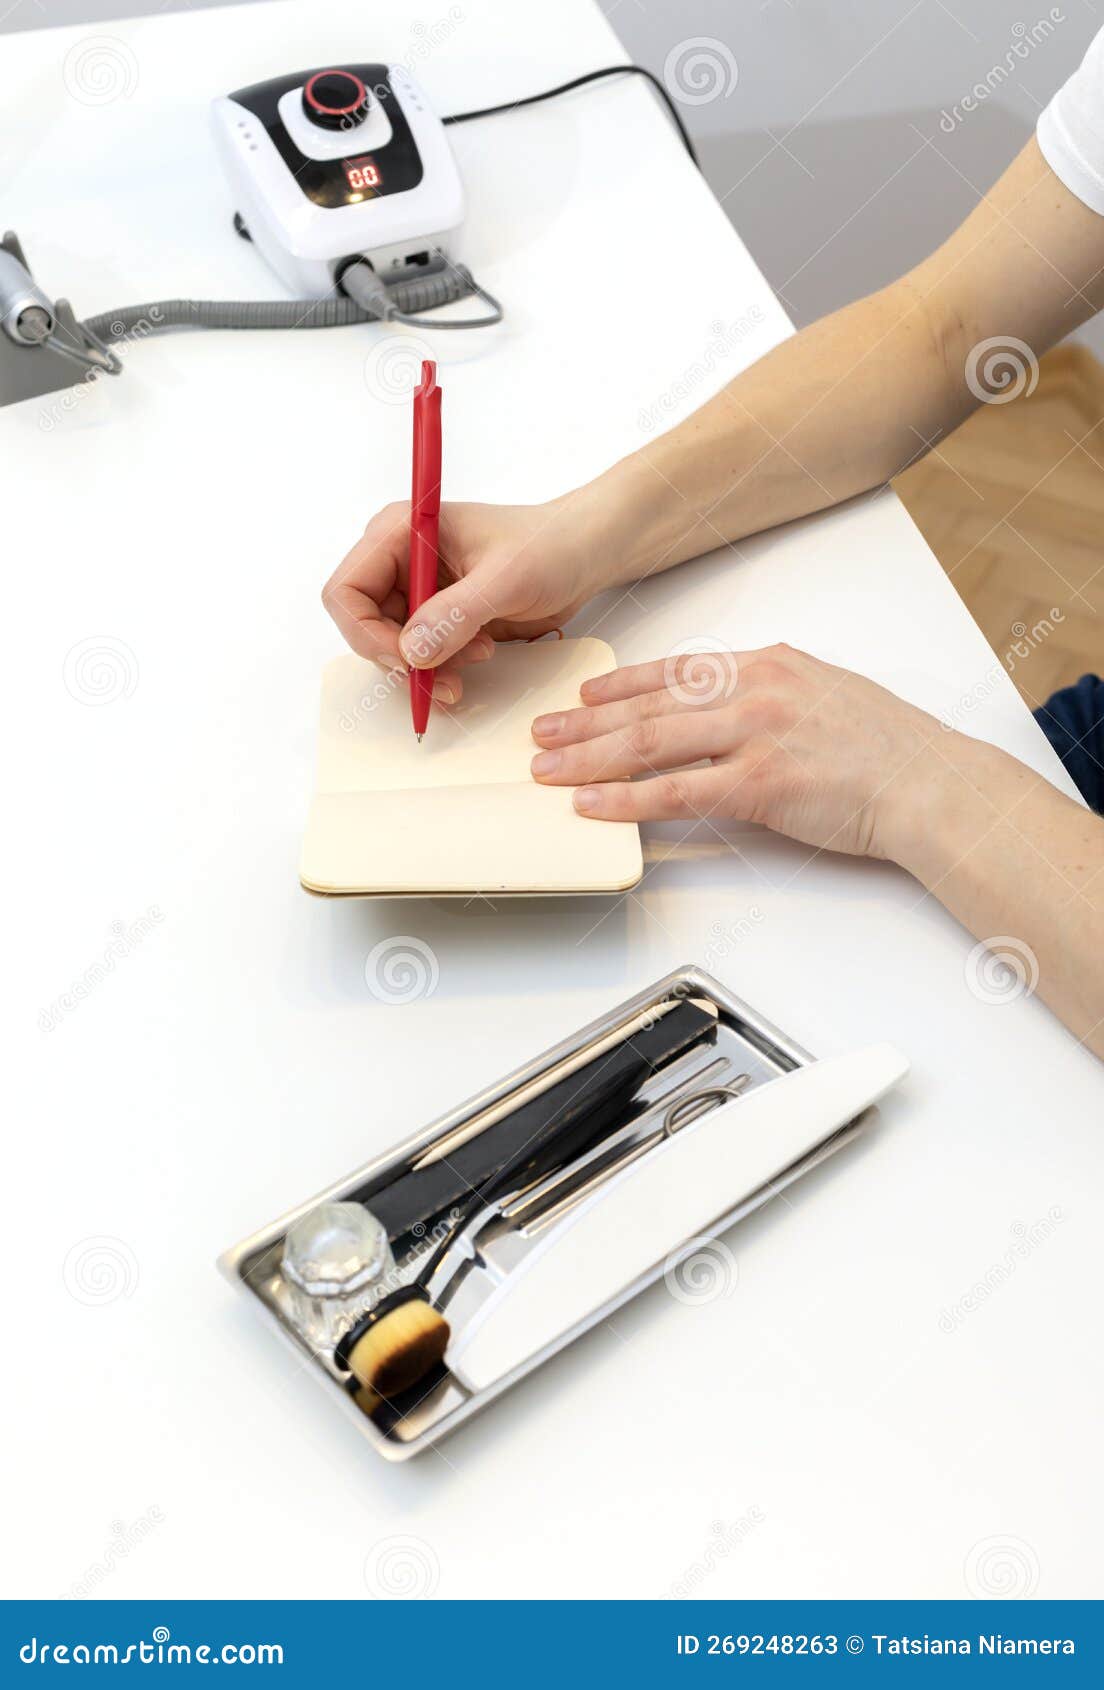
<point>362,173</point>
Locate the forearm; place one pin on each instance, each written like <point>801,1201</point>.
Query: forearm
<point>848,402</point>
<point>832,411</point>
<point>1015,860</point>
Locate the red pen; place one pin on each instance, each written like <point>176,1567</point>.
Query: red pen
<point>425,511</point>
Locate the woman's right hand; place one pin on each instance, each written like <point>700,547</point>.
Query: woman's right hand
<point>507,572</point>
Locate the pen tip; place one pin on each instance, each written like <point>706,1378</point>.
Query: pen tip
<point>420,738</point>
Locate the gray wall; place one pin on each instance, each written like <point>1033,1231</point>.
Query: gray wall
<point>833,131</point>
<point>839,152</point>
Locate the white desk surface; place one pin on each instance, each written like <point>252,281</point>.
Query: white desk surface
<point>819,1430</point>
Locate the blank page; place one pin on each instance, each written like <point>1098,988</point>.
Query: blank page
<point>459,813</point>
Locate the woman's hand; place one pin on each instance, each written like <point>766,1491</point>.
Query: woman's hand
<point>835,761</point>
<point>806,749</point>
<point>508,572</point>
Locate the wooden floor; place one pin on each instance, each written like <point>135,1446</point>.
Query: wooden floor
<point>1012,504</point>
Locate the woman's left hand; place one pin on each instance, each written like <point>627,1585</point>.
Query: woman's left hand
<point>788,741</point>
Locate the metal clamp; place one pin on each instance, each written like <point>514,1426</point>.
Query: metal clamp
<point>35,324</point>
<point>688,1108</point>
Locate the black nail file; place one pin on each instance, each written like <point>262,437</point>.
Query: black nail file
<point>546,1131</point>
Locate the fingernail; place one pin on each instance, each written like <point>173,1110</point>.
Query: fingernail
<point>445,692</point>
<point>547,727</point>
<point>417,644</point>
<point>586,798</point>
<point>481,649</point>
<point>546,762</point>
<point>597,685</point>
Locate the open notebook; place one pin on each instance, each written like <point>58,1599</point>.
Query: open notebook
<point>459,813</point>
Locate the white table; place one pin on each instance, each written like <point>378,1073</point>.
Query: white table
<point>818,1431</point>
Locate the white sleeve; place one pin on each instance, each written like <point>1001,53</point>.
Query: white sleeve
<point>1071,129</point>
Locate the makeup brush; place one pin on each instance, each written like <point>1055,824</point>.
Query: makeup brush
<point>396,1343</point>
<point>367,1401</point>
<point>403,1336</point>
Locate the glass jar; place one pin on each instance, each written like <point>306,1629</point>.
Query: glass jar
<point>337,1262</point>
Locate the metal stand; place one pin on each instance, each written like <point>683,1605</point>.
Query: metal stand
<point>65,360</point>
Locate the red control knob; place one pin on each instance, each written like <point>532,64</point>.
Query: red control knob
<point>335,99</point>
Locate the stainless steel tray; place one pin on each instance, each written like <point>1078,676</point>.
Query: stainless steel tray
<point>745,1040</point>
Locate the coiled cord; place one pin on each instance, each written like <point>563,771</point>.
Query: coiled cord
<point>378,300</point>
<point>372,302</point>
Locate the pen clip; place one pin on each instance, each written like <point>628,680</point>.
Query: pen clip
<point>427,441</point>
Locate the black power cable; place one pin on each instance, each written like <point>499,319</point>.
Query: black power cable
<point>579,82</point>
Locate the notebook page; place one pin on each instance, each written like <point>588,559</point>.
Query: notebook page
<point>367,744</point>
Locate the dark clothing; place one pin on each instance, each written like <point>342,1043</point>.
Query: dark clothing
<point>1073,721</point>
